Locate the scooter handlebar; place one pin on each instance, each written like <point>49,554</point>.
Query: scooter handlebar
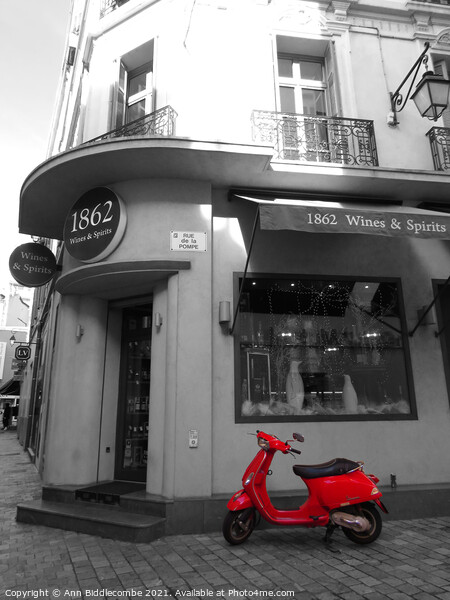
<point>295,451</point>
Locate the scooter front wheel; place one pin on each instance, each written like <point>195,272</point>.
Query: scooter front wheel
<point>238,525</point>
<point>369,512</point>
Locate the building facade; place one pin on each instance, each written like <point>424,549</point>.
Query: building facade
<point>15,311</point>
<point>248,238</point>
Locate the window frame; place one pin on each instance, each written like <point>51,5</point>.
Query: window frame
<point>442,326</point>
<point>140,59</point>
<point>298,84</point>
<point>238,418</point>
<point>146,94</point>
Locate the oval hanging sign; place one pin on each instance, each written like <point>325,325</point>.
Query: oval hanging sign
<point>32,264</point>
<point>95,225</point>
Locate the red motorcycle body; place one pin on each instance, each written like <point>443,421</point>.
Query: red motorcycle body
<point>325,494</point>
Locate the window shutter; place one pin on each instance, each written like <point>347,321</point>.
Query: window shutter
<point>120,97</point>
<point>440,68</point>
<point>334,98</point>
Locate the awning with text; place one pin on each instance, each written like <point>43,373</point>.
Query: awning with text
<point>334,217</point>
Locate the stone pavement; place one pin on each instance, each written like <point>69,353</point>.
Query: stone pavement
<point>411,559</point>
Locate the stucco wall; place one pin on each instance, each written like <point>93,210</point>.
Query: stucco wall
<point>75,406</point>
<point>214,92</point>
<point>180,398</point>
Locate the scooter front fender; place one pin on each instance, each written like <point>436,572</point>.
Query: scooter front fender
<point>381,505</point>
<point>239,501</point>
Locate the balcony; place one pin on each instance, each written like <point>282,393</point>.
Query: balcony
<point>158,123</point>
<point>108,6</point>
<point>302,138</point>
<point>440,147</point>
<point>444,2</point>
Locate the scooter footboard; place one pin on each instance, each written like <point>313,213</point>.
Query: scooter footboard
<point>239,501</point>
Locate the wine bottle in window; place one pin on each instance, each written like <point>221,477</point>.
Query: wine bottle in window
<point>349,397</point>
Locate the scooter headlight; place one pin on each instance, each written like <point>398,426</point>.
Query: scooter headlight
<point>264,444</point>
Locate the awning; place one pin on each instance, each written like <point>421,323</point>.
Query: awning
<point>335,217</point>
<point>10,388</point>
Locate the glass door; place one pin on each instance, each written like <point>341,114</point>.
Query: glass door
<point>134,398</point>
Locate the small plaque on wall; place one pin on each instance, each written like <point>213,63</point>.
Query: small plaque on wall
<point>188,241</point>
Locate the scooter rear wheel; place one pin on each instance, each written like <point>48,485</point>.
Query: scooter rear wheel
<point>238,525</point>
<point>370,513</point>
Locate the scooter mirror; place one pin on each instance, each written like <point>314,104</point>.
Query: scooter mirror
<point>298,437</point>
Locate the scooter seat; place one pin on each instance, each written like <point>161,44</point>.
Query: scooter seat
<point>337,466</point>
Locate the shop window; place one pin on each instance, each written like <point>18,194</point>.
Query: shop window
<point>321,349</point>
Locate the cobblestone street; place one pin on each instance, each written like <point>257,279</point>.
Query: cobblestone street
<point>411,559</point>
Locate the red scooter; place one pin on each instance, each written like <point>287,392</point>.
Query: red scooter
<point>340,494</point>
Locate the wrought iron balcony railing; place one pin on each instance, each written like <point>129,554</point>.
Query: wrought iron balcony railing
<point>319,139</point>
<point>108,6</point>
<point>440,147</point>
<point>158,123</point>
<point>445,2</point>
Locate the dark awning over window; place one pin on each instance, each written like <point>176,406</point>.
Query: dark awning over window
<point>335,217</point>
<point>10,388</point>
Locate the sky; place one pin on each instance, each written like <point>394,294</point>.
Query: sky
<point>32,36</point>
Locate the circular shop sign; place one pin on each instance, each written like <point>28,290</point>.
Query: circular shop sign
<point>95,225</point>
<point>32,264</point>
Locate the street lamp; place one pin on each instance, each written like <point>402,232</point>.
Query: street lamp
<point>430,96</point>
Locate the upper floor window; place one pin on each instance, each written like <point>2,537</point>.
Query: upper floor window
<point>302,86</point>
<point>135,94</point>
<point>134,89</point>
<point>307,77</point>
<point>306,98</point>
<point>108,6</point>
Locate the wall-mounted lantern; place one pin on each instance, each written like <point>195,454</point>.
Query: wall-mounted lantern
<point>430,96</point>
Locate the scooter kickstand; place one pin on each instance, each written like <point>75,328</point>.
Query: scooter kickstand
<point>327,538</point>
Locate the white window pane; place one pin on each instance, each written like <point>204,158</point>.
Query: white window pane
<point>311,70</point>
<point>313,102</point>
<point>287,99</point>
<point>285,67</point>
<point>135,111</point>
<point>137,84</point>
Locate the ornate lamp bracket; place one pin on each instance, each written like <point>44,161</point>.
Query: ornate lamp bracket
<point>398,101</point>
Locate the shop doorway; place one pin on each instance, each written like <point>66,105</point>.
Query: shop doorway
<point>134,394</point>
